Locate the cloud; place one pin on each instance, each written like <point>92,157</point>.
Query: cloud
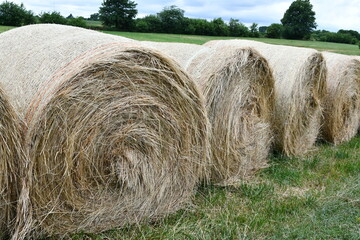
<point>330,15</point>
<point>337,14</point>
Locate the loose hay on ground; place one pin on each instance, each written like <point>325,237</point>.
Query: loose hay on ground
<point>300,88</point>
<point>342,103</point>
<point>238,87</point>
<point>115,133</point>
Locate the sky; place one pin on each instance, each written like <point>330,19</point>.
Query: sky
<point>331,15</point>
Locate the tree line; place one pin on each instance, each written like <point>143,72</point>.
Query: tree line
<point>298,22</point>
<point>12,14</point>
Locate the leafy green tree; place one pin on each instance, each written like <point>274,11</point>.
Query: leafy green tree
<point>77,22</point>
<point>200,26</point>
<point>12,14</point>
<point>52,17</point>
<point>254,31</point>
<point>94,17</point>
<point>237,29</point>
<point>219,27</point>
<point>172,19</point>
<point>299,20</point>
<point>275,30</point>
<point>262,29</point>
<point>353,33</point>
<point>141,25</point>
<point>154,23</point>
<point>118,13</point>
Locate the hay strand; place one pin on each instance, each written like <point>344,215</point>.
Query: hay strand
<point>12,157</point>
<point>300,88</point>
<point>115,133</point>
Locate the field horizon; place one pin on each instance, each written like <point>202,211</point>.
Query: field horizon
<point>347,49</point>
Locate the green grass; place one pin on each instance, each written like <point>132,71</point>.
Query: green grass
<point>348,49</point>
<point>314,197</point>
<point>93,23</point>
<point>5,28</point>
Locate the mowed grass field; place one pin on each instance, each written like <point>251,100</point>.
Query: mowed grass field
<point>312,197</point>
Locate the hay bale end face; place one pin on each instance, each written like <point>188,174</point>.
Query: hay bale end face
<point>300,88</point>
<point>116,133</point>
<point>239,90</point>
<point>342,103</point>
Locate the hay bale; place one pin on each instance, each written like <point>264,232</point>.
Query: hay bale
<point>238,88</point>
<point>115,133</point>
<point>342,103</point>
<point>300,88</point>
<point>12,157</point>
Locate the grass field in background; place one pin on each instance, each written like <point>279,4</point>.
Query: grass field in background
<point>313,197</point>
<point>162,37</point>
<point>5,28</point>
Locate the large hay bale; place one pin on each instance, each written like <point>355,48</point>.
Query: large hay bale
<point>238,87</point>
<point>342,103</point>
<point>300,88</point>
<point>12,157</point>
<point>116,133</point>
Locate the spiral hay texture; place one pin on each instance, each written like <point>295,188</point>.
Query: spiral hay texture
<point>12,157</point>
<point>300,88</point>
<point>238,88</point>
<point>116,133</point>
<point>342,103</point>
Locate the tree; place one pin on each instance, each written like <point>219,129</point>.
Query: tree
<point>262,29</point>
<point>172,19</point>
<point>118,13</point>
<point>299,20</point>
<point>219,27</point>
<point>77,22</point>
<point>94,17</point>
<point>353,33</point>
<point>52,17</point>
<point>12,14</point>
<point>275,30</point>
<point>254,32</point>
<point>237,29</point>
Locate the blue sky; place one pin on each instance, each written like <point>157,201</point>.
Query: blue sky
<point>330,14</point>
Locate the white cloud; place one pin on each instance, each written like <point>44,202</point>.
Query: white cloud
<point>337,14</point>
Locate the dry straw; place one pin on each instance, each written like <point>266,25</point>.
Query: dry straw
<point>300,88</point>
<point>342,104</point>
<point>115,133</point>
<point>12,157</point>
<point>238,88</point>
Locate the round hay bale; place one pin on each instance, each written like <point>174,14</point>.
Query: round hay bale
<point>300,88</point>
<point>12,157</point>
<point>239,90</point>
<point>342,103</point>
<point>115,133</point>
